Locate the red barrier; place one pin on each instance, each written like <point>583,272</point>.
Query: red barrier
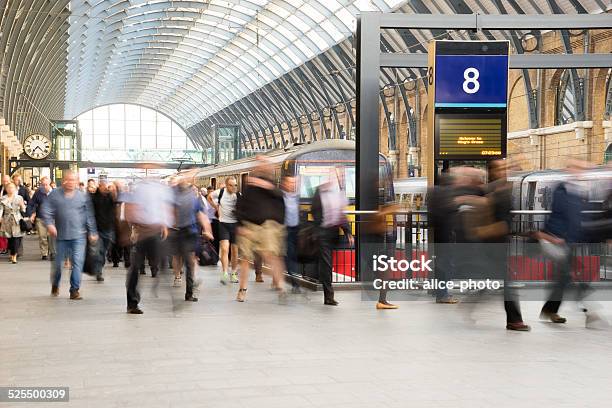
<point>343,262</point>
<point>584,268</point>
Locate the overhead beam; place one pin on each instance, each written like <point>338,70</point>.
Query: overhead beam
<point>478,22</point>
<point>15,164</point>
<point>517,61</point>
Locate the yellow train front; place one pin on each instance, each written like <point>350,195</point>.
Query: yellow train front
<point>311,165</point>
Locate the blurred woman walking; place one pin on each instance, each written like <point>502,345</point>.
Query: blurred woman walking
<point>11,207</point>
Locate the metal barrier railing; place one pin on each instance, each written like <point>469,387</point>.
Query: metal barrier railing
<point>410,234</point>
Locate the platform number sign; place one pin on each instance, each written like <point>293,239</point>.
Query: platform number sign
<point>468,81</point>
<point>471,81</point>
<point>37,146</point>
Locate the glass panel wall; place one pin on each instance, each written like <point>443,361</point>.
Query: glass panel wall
<point>133,133</point>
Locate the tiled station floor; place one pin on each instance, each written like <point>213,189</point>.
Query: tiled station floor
<point>220,353</point>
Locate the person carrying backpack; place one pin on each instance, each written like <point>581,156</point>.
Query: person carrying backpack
<point>224,201</point>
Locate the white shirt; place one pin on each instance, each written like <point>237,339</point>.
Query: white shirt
<point>227,206</point>
<point>333,202</point>
<point>155,202</point>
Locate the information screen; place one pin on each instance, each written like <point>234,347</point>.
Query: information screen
<point>470,136</point>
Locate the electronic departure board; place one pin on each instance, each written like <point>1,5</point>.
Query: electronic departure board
<point>470,136</point>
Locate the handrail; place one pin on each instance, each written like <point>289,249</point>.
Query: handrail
<point>532,212</point>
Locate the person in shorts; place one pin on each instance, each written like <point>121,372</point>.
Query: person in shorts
<point>224,201</point>
<point>261,214</point>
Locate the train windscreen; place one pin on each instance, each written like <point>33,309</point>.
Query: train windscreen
<point>310,177</point>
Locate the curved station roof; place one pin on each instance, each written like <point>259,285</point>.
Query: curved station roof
<point>270,65</point>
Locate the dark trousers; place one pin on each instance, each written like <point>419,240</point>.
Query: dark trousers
<point>146,247</point>
<point>14,243</point>
<point>562,281</point>
<point>444,267</point>
<point>328,238</point>
<point>185,248</point>
<point>119,252</point>
<point>106,240</point>
<point>499,270</point>
<point>513,311</point>
<point>156,256</point>
<point>291,257</point>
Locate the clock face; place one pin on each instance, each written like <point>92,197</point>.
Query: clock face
<point>37,146</point>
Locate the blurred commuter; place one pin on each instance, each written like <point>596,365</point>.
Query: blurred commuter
<point>328,205</point>
<point>23,192</point>
<point>121,248</point>
<point>441,217</point>
<point>104,210</point>
<point>496,221</point>
<point>21,189</point>
<point>29,191</point>
<point>68,214</point>
<point>11,207</point>
<point>562,235</point>
<point>211,212</point>
<point>292,226</point>
<point>3,240</point>
<point>6,180</point>
<point>224,200</point>
<point>45,241</point>
<point>91,186</point>
<point>378,226</point>
<point>261,214</point>
<point>497,233</point>
<point>149,211</point>
<point>190,217</point>
<point>206,253</point>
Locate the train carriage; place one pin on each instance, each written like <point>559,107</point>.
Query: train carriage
<point>311,164</point>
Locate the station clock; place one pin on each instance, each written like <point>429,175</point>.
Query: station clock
<point>37,146</point>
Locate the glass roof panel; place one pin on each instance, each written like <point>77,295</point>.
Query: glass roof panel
<point>190,59</point>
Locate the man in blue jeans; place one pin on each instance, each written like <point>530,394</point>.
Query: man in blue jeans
<point>69,217</point>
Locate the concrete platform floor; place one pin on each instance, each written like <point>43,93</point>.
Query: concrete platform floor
<point>221,353</point>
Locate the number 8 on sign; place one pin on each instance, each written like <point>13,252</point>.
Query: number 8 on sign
<point>471,84</point>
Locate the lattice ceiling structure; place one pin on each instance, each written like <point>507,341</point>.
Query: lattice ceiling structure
<point>275,67</point>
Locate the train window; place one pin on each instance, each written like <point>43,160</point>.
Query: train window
<point>310,178</point>
<point>349,181</point>
<point>531,190</point>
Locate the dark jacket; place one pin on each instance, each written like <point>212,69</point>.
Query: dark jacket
<point>36,202</point>
<point>441,211</point>
<point>566,215</point>
<point>257,205</point>
<point>104,210</point>
<point>23,192</point>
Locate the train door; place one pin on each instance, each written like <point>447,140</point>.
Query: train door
<point>531,190</point>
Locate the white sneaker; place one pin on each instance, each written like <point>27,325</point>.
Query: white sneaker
<point>177,282</point>
<point>224,277</point>
<point>234,278</point>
